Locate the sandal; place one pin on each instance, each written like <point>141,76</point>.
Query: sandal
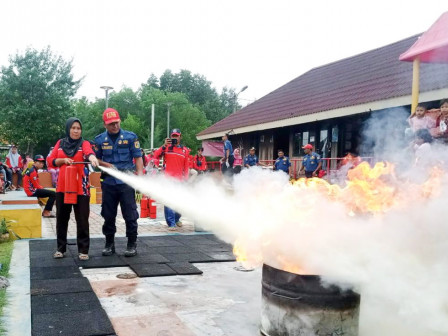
<point>58,255</point>
<point>83,256</point>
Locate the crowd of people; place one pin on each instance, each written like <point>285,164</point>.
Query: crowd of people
<point>71,159</point>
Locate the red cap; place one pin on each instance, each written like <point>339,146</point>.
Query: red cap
<point>308,146</point>
<point>110,115</point>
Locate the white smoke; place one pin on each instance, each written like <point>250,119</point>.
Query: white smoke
<point>398,262</point>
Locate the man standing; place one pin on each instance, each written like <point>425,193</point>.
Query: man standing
<point>282,163</point>
<point>311,162</point>
<point>199,162</point>
<point>117,148</point>
<point>227,160</point>
<point>177,163</point>
<point>251,159</point>
<point>32,187</point>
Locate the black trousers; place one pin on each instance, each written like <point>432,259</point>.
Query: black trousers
<point>114,194</point>
<point>82,211</point>
<point>309,174</point>
<point>42,193</point>
<point>229,170</point>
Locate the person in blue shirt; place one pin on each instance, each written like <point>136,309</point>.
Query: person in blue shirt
<point>117,148</point>
<point>251,159</point>
<point>311,163</point>
<point>282,163</point>
<point>228,158</point>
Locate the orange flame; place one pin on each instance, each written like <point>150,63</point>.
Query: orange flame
<point>368,191</point>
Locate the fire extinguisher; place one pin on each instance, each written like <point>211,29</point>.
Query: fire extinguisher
<point>71,185</point>
<point>152,209</point>
<point>144,207</point>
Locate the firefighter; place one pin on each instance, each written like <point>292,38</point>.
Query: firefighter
<point>176,163</point>
<point>311,163</point>
<point>117,148</point>
<point>32,187</point>
<point>251,159</point>
<point>282,163</point>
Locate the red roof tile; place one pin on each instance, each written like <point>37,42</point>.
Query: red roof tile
<point>371,76</point>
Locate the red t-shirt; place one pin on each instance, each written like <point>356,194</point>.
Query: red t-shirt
<point>84,151</point>
<point>31,181</point>
<point>199,163</point>
<point>176,161</point>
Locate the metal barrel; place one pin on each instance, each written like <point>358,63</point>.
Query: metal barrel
<point>294,305</point>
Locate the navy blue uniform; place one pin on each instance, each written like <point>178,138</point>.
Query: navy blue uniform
<point>251,160</point>
<point>311,162</point>
<point>282,164</point>
<point>121,153</point>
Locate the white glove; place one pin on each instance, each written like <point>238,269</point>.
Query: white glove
<point>227,164</point>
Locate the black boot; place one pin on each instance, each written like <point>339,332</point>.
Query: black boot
<point>109,248</point>
<point>131,249</point>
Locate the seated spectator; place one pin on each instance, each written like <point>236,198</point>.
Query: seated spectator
<point>442,121</point>
<point>33,188</point>
<point>422,146</point>
<point>238,161</point>
<point>53,171</point>
<point>15,163</point>
<point>420,119</point>
<point>7,176</point>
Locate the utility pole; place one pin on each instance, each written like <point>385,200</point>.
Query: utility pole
<point>168,120</point>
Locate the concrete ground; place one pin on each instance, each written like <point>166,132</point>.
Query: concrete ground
<point>223,301</point>
<point>146,225</point>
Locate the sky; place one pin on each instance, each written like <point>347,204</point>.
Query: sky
<point>234,43</point>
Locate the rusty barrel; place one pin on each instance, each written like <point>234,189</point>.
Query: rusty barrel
<point>294,305</point>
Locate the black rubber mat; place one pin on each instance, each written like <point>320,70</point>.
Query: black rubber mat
<point>152,270</point>
<point>101,262</point>
<point>184,268</point>
<point>214,248</point>
<point>57,272</point>
<point>49,261</point>
<point>56,286</point>
<point>75,323</point>
<point>190,257</point>
<point>145,258</point>
<point>65,302</point>
<point>159,241</point>
<point>48,254</point>
<point>170,249</point>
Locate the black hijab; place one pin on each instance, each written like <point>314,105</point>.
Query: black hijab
<point>69,145</point>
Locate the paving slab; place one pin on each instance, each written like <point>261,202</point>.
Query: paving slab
<point>57,272</point>
<point>77,323</point>
<point>64,302</point>
<point>221,256</point>
<point>56,286</point>
<point>184,268</point>
<point>152,270</point>
<point>198,257</point>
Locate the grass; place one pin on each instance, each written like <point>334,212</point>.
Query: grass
<point>5,259</point>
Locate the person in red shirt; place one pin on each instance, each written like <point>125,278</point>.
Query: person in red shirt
<point>32,187</point>
<point>199,162</point>
<point>72,148</point>
<point>15,163</point>
<point>176,163</point>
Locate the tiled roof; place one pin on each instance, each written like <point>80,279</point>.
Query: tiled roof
<point>371,76</point>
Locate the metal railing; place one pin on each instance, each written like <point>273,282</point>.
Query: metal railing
<point>329,165</point>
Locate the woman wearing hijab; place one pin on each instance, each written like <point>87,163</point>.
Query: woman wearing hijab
<point>67,151</point>
<point>15,164</point>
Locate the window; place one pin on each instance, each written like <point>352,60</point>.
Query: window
<point>301,139</point>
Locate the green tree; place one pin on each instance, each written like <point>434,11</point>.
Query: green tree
<point>35,92</point>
